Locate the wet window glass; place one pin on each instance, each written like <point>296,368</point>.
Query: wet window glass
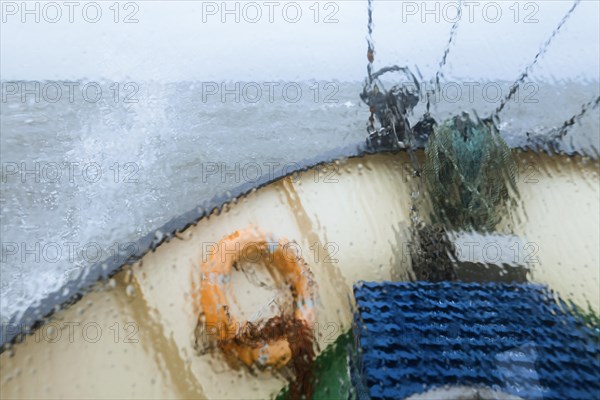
<point>279,199</point>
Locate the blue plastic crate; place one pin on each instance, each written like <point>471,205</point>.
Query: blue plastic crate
<point>515,338</point>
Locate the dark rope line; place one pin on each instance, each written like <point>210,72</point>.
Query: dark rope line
<point>568,124</point>
<point>540,53</point>
<point>439,74</point>
<point>371,58</point>
<point>370,44</point>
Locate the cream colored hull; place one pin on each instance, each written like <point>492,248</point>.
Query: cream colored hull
<point>351,222</point>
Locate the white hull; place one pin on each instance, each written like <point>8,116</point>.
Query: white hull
<point>351,222</point>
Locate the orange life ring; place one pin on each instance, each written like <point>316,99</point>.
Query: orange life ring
<point>240,340</point>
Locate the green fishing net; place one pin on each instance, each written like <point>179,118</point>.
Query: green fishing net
<point>469,173</point>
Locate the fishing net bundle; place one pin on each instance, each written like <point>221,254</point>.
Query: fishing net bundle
<point>469,173</point>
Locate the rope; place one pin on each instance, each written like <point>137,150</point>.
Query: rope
<point>439,74</point>
<point>568,124</point>
<point>370,44</point>
<point>469,169</point>
<point>539,54</point>
<point>389,106</point>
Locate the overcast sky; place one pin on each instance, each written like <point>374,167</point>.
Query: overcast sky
<point>195,40</point>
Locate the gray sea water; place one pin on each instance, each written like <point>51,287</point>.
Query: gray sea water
<point>88,171</point>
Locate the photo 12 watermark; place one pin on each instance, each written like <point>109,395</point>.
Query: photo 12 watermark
<point>324,333</point>
<point>54,252</point>
<point>472,92</point>
<point>54,12</point>
<point>263,252</point>
<point>492,12</point>
<point>509,251</point>
<point>254,172</point>
<point>69,332</point>
<point>73,172</point>
<point>69,91</point>
<point>269,92</point>
<point>253,12</point>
